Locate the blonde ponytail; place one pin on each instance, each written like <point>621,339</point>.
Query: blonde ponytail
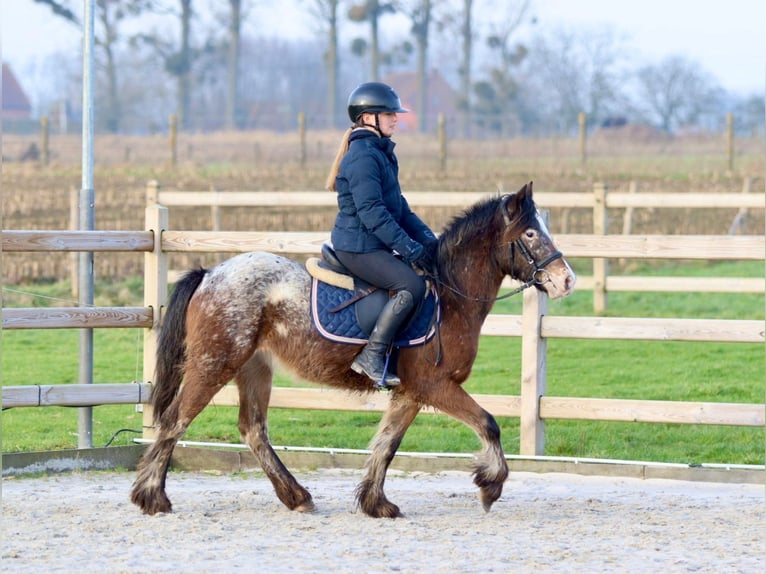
<point>330,182</point>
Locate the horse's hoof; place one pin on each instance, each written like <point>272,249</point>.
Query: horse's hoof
<point>306,507</point>
<point>384,510</point>
<point>489,494</point>
<point>151,504</point>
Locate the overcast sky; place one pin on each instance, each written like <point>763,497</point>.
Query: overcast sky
<point>726,38</point>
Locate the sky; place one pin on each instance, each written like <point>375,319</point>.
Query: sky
<point>728,39</point>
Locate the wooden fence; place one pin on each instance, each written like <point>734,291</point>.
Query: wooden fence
<point>599,200</point>
<point>534,325</point>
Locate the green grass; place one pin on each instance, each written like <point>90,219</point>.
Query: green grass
<point>714,372</point>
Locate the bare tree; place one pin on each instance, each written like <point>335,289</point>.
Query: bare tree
<point>110,15</point>
<point>177,59</point>
<point>232,63</point>
<point>499,91</point>
<point>578,72</point>
<point>419,13</point>
<point>466,35</point>
<point>180,66</point>
<point>326,11</point>
<point>676,93</point>
<point>371,11</point>
<point>59,9</point>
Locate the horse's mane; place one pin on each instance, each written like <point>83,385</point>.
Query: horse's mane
<point>482,220</point>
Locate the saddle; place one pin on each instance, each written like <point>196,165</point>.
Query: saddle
<point>345,308</point>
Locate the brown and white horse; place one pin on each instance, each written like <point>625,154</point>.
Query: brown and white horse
<point>230,321</point>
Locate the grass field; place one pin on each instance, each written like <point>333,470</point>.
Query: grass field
<point>36,197</point>
<point>715,372</point>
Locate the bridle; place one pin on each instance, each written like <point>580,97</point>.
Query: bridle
<point>538,275</point>
<point>536,279</point>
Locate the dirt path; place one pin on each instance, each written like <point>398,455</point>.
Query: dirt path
<point>542,523</point>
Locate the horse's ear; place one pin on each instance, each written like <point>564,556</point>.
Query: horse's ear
<point>514,203</point>
<point>516,200</point>
<point>526,190</point>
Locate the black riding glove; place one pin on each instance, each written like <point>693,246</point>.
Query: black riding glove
<point>426,260</point>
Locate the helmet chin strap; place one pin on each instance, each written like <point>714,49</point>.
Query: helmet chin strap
<point>376,127</point>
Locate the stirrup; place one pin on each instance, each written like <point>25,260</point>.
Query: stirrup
<point>382,384</point>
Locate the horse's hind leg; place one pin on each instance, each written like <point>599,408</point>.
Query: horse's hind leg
<point>369,494</point>
<point>149,487</point>
<point>254,382</point>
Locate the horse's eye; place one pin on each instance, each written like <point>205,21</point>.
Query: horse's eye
<point>530,233</point>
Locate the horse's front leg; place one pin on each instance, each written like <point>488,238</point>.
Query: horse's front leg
<point>490,468</point>
<point>254,382</point>
<point>369,494</point>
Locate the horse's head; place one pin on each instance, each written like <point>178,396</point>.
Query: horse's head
<point>529,253</point>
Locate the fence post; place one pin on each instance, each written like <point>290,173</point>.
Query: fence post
<point>155,292</point>
<point>302,137</point>
<point>730,139</point>
<point>533,373</point>
<point>442,143</point>
<point>173,139</point>
<point>740,220</point>
<point>582,127</point>
<point>600,264</point>
<point>44,140</point>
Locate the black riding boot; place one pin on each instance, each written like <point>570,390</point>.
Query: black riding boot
<point>372,360</point>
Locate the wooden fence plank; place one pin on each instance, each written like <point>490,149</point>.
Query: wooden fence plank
<point>129,241</point>
<point>499,325</point>
<point>321,198</point>
<point>242,242</point>
<point>463,199</point>
<point>639,328</point>
<point>76,395</point>
<point>676,412</point>
<point>643,283</point>
<point>337,400</point>
<point>685,284</point>
<point>611,246</point>
<point>76,317</point>
<point>685,200</point>
<point>708,247</point>
<point>618,410</point>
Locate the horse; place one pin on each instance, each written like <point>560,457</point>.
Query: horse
<point>230,322</point>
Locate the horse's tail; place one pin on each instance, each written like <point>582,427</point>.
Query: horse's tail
<point>171,346</point>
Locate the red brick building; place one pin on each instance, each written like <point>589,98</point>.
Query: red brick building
<point>441,98</point>
<point>16,104</point>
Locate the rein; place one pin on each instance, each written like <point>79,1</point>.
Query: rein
<point>534,280</point>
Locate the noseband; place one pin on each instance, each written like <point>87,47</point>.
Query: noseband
<point>536,279</point>
<point>539,271</point>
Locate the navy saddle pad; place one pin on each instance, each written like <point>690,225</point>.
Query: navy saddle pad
<point>353,323</point>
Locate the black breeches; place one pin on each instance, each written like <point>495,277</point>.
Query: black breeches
<point>384,270</point>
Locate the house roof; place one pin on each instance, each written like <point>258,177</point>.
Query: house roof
<point>13,97</point>
<point>441,96</point>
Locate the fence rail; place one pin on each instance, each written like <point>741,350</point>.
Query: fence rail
<point>534,326</point>
<point>600,200</point>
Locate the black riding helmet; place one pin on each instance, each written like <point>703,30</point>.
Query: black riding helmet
<point>373,97</point>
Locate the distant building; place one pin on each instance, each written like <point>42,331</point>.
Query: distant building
<point>16,106</point>
<point>442,99</point>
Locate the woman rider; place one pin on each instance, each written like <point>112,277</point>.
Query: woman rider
<point>374,220</point>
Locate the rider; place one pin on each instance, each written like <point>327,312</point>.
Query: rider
<point>374,220</point>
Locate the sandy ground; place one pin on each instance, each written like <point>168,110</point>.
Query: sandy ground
<point>234,523</point>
